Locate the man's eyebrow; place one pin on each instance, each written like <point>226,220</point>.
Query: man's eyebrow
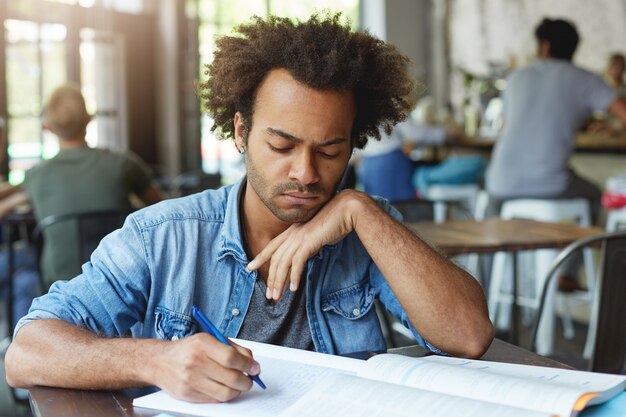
<point>292,138</point>
<point>284,135</point>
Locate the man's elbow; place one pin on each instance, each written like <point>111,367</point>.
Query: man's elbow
<point>479,341</point>
<point>470,339</point>
<point>12,366</point>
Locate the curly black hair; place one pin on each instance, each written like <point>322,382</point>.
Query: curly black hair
<point>321,53</point>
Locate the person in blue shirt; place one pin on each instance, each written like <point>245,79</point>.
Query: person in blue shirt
<point>279,257</point>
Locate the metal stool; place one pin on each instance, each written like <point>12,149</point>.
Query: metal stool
<point>443,194</point>
<point>551,210</point>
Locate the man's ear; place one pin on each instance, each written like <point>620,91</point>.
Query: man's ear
<point>544,49</point>
<point>240,132</point>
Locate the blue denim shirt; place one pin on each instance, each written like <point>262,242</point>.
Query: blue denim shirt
<point>143,279</point>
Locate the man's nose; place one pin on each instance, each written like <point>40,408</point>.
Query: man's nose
<point>304,169</point>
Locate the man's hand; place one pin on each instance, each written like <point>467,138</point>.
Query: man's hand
<point>199,368</point>
<point>289,251</point>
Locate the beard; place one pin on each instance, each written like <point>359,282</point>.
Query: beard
<point>267,192</point>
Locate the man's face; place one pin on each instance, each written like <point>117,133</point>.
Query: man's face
<point>298,145</point>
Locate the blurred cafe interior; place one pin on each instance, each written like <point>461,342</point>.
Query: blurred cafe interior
<point>138,64</point>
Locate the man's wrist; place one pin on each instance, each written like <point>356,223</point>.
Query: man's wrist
<point>151,358</point>
<point>359,206</point>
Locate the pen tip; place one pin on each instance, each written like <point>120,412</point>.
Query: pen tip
<point>258,381</point>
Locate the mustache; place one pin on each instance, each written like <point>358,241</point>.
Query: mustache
<point>314,189</point>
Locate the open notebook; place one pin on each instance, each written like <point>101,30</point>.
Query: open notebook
<point>301,383</point>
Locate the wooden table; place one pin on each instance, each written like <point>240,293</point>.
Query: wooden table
<point>58,402</point>
<point>495,235</point>
<point>600,143</point>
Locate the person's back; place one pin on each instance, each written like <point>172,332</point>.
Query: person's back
<point>78,179</point>
<point>545,104</point>
<point>75,181</point>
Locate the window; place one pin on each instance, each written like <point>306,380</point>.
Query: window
<point>124,6</point>
<point>100,65</point>
<point>50,42</point>
<point>35,65</point>
<point>217,17</point>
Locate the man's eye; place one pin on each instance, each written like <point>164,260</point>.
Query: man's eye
<point>279,150</point>
<point>328,155</point>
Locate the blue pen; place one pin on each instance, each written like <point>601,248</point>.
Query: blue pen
<point>210,328</point>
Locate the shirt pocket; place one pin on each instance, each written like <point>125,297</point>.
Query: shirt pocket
<point>351,303</point>
<point>170,325</point>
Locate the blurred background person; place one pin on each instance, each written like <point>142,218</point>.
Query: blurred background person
<point>614,74</point>
<point>79,179</point>
<point>385,169</point>
<point>545,104</point>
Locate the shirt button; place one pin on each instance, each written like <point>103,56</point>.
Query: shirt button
<point>235,312</point>
<point>174,338</point>
<point>356,311</point>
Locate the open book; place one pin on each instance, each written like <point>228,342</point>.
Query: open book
<point>301,383</point>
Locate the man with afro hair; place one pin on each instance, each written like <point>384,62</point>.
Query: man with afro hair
<point>279,257</point>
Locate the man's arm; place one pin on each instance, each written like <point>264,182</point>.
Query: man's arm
<point>197,368</point>
<point>444,303</point>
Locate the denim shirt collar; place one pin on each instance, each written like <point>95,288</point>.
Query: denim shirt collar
<point>231,241</point>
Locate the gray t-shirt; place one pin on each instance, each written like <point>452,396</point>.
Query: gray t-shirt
<point>544,105</point>
<point>282,323</point>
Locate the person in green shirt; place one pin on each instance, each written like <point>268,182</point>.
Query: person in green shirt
<point>79,179</point>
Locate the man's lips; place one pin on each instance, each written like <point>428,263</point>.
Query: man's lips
<point>300,197</point>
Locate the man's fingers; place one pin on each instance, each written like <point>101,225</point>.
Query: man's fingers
<point>235,357</point>
<point>280,283</point>
<point>295,275</point>
<point>280,268</point>
<point>229,378</point>
<point>254,368</point>
<point>205,380</point>
<point>227,366</point>
<point>275,278</point>
<point>267,252</point>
